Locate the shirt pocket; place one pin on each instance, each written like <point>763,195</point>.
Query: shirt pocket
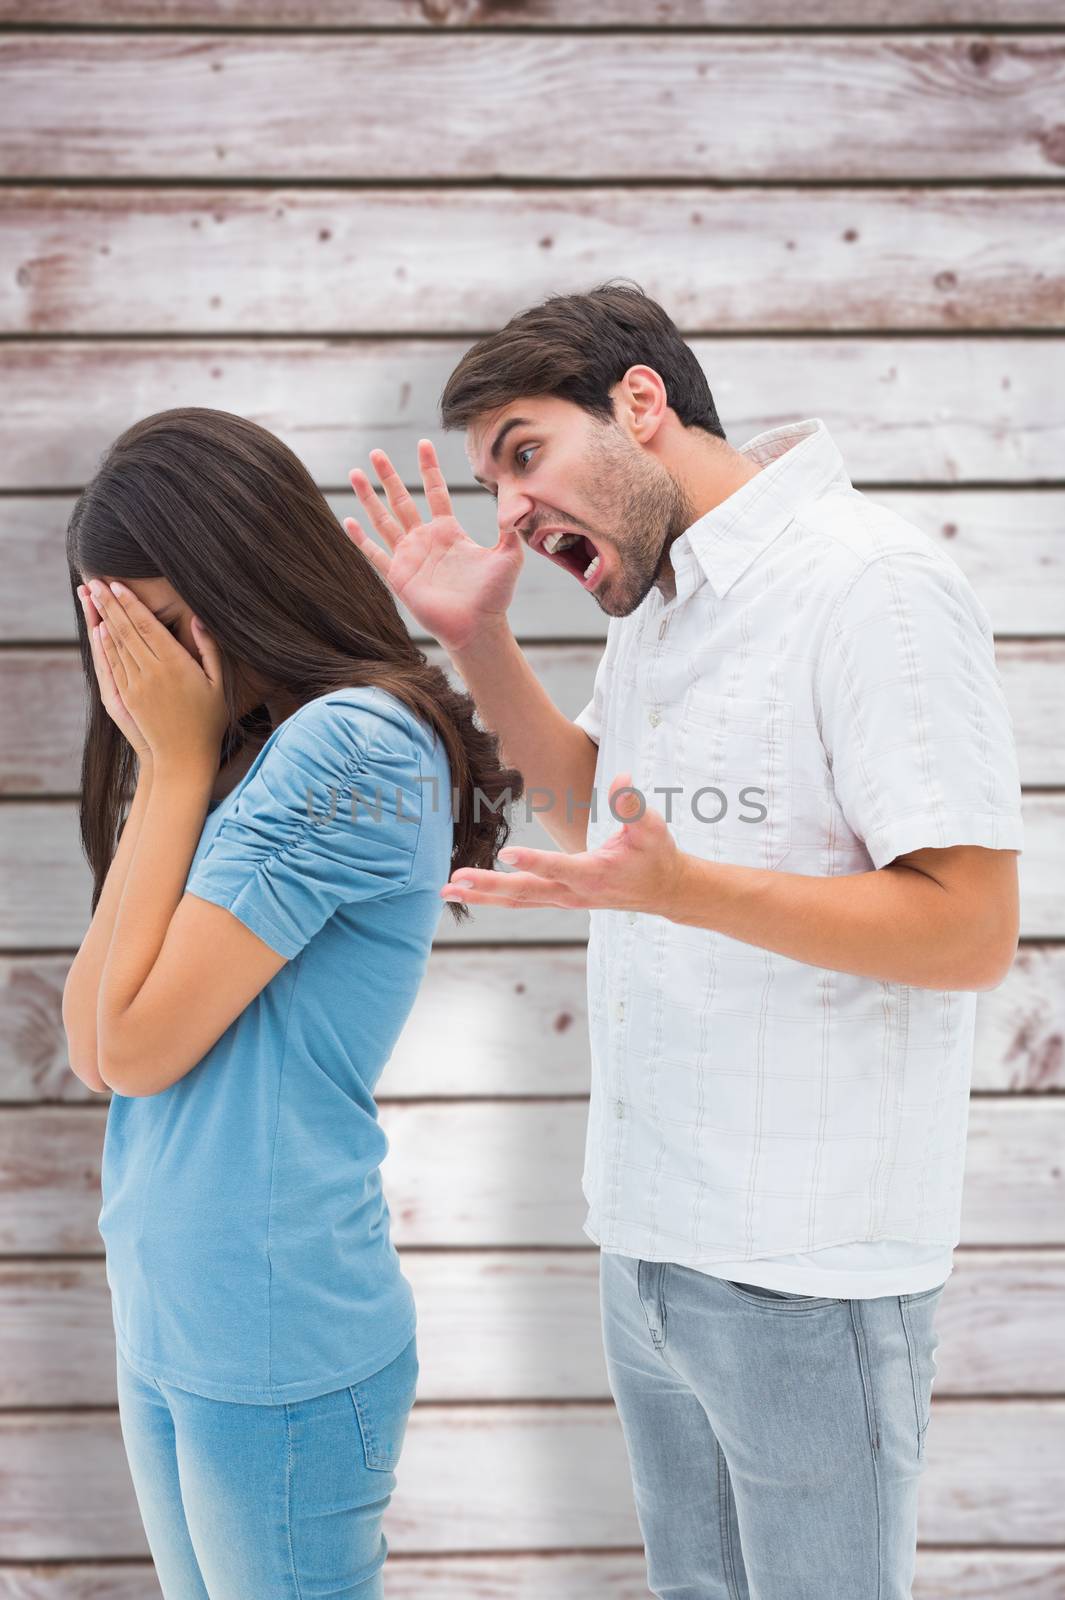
<point>734,757</point>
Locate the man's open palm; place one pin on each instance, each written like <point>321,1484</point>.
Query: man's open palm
<point>449,583</point>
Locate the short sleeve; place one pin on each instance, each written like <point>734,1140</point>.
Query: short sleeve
<point>331,815</point>
<point>913,714</point>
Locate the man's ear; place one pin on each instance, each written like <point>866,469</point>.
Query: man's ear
<point>640,403</point>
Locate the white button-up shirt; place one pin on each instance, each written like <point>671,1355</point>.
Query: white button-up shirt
<point>822,696</point>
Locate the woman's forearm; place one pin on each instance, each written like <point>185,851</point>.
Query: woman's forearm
<point>82,988</point>
<point>155,884</point>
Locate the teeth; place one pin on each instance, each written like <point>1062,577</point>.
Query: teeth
<point>559,541</point>
<point>591,569</point>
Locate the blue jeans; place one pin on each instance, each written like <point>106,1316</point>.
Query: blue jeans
<point>278,1501</point>
<point>775,1440</point>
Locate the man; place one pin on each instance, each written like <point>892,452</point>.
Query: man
<point>798,721</point>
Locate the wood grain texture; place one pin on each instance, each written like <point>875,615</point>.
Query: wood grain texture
<point>42,852</point>
<point>473,1174</point>
<point>1010,543</point>
<point>413,261</point>
<point>530,1478</point>
<point>599,1575</point>
<point>506,1021</point>
<point>212,106</point>
<point>42,707</point>
<point>908,411</point>
<point>868,253</point>
<point>548,14</point>
<point>533,1319</point>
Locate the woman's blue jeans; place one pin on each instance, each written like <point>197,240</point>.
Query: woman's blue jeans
<point>267,1502</point>
<point>775,1440</point>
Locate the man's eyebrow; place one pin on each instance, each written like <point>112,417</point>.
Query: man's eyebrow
<point>497,445</point>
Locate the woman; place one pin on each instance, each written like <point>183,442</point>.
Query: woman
<point>298,783</point>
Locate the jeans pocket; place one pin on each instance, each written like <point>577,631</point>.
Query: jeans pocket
<point>383,1404</point>
<point>918,1321</point>
<point>754,1292</point>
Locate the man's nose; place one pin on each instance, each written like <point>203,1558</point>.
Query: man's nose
<point>514,513</point>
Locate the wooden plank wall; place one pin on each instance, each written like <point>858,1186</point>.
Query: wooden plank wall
<point>303,210</point>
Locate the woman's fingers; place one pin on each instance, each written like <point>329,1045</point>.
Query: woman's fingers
<point>120,632</point>
<point>92,616</point>
<point>110,697</point>
<point>115,657</point>
<point>99,660</point>
<point>433,480</point>
<point>210,655</point>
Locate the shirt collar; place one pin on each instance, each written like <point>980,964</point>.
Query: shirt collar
<point>798,462</point>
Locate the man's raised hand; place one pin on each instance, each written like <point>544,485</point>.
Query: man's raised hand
<point>449,583</point>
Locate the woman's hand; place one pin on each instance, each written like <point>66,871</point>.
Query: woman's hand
<point>176,703</point>
<point>450,584</point>
<point>109,695</point>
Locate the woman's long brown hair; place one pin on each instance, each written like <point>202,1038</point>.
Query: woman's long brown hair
<point>227,514</point>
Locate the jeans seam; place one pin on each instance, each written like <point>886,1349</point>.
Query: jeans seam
<point>874,1436</point>
<point>662,1301</point>
<point>726,1530</point>
<point>643,1273</point>
<point>908,1331</point>
<point>288,1501</point>
<point>366,1427</point>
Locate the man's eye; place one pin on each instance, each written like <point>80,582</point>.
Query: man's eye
<point>519,453</point>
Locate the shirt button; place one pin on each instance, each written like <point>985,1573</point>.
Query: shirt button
<point>619,1010</point>
<point>654,718</point>
<point>619,1108</point>
<point>630,916</point>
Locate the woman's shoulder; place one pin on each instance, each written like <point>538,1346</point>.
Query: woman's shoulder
<point>352,725</point>
<point>323,818</point>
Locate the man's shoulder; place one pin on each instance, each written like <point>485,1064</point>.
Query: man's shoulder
<point>848,531</point>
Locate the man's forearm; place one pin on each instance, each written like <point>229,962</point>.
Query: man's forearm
<point>896,924</point>
<point>82,988</point>
<point>555,757</point>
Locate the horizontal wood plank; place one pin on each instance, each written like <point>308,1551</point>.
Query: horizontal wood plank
<point>42,848</point>
<point>474,1174</point>
<point>42,696</point>
<point>1010,543</point>
<point>512,1021</point>
<point>215,106</point>
<point>186,261</point>
<point>547,14</point>
<point>533,1318</point>
<point>940,1575</point>
<point>530,1478</point>
<point>907,410</point>
<point>977,1574</point>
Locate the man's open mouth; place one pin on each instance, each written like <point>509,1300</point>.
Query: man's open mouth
<point>576,553</point>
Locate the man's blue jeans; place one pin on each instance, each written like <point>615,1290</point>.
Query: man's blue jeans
<point>267,1502</point>
<point>775,1440</point>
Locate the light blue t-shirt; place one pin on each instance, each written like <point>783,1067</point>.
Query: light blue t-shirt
<point>246,1232</point>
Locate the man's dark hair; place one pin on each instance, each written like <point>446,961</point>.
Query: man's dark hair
<point>577,347</point>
